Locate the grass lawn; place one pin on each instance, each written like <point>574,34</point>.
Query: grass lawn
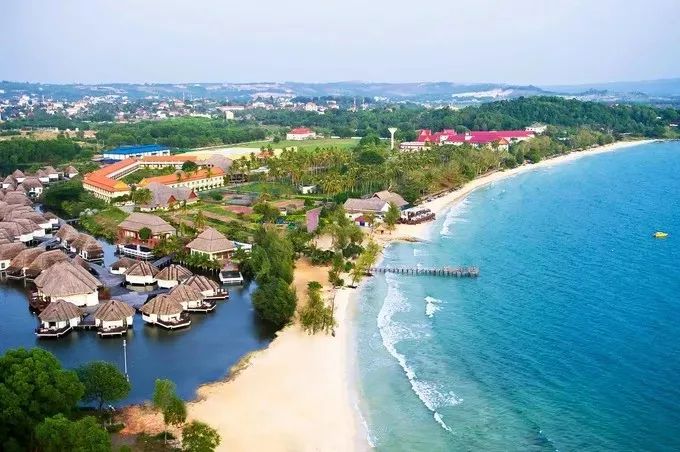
<point>104,223</point>
<point>273,188</point>
<point>342,143</point>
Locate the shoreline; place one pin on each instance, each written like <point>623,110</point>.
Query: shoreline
<point>302,392</point>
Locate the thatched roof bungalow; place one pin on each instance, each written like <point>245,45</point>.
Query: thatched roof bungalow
<point>58,319</point>
<point>19,176</point>
<point>17,198</point>
<point>9,182</point>
<point>141,273</point>
<point>113,317</point>
<point>67,234</point>
<point>213,244</point>
<point>191,299</point>
<point>208,287</point>
<point>22,261</point>
<point>165,311</point>
<point>172,275</point>
<point>43,262</point>
<point>30,227</point>
<point>130,228</point>
<point>68,281</point>
<point>9,251</point>
<point>91,250</point>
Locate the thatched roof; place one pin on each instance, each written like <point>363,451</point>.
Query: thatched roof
<point>161,195</point>
<point>65,278</point>
<point>173,272</point>
<point>201,283</point>
<point>391,197</point>
<point>70,170</point>
<point>211,241</point>
<point>79,241</point>
<point>10,250</point>
<point>9,180</point>
<point>50,216</point>
<point>50,170</point>
<point>28,226</point>
<point>162,305</point>
<point>60,311</point>
<point>18,173</point>
<point>81,262</point>
<point>91,246</point>
<point>365,205</point>
<point>137,221</point>
<point>26,257</point>
<point>29,214</point>
<point>46,260</point>
<point>5,237</point>
<point>11,229</point>
<point>113,310</point>
<point>123,262</point>
<point>32,182</point>
<point>184,293</point>
<point>142,268</point>
<point>67,233</point>
<point>17,198</point>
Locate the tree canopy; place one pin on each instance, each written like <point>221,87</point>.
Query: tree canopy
<point>103,383</point>
<point>199,437</point>
<point>58,434</point>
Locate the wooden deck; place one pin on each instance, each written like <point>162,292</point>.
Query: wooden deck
<point>459,272</point>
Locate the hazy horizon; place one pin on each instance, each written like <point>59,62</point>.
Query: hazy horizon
<point>528,42</point>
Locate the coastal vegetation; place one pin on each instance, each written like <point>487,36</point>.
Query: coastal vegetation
<point>103,383</point>
<point>316,316</point>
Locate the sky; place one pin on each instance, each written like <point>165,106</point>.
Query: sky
<point>541,42</point>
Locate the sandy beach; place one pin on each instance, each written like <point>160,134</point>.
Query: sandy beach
<point>297,395</point>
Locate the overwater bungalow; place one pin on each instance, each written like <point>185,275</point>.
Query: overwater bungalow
<point>43,262</point>
<point>52,218</point>
<point>121,265</point>
<point>5,238</point>
<point>16,231</point>
<point>58,319</point>
<point>52,173</point>
<point>113,318</point>
<point>230,274</point>
<point>33,186</point>
<point>68,281</point>
<point>172,275</point>
<point>166,312</point>
<point>91,250</point>
<point>67,234</point>
<point>27,213</point>
<point>9,182</point>
<point>70,172</point>
<point>130,231</point>
<point>213,244</point>
<point>9,251</point>
<point>30,227</point>
<point>82,263</point>
<point>42,176</point>
<point>141,273</point>
<point>209,288</point>
<point>22,261</point>
<point>191,299</point>
<point>18,176</point>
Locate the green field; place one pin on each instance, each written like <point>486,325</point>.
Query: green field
<point>343,143</point>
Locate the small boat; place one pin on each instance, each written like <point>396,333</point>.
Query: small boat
<point>660,235</point>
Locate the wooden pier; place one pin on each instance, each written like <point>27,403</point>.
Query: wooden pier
<point>456,272</point>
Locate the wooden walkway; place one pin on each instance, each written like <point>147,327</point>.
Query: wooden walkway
<point>459,272</point>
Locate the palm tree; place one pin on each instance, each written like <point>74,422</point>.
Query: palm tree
<point>199,220</point>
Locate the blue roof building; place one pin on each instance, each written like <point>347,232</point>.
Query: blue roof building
<point>124,152</point>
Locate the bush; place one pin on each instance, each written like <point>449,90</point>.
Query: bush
<point>275,302</point>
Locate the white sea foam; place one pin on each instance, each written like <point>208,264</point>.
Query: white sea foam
<point>432,396</point>
<point>432,305</point>
<point>455,215</point>
<point>418,252</point>
<point>369,439</point>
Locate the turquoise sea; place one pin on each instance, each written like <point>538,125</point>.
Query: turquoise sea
<point>570,338</point>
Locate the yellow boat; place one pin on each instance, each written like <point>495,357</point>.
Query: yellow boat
<point>660,235</point>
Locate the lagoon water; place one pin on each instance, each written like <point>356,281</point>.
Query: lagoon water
<point>570,338</point>
<point>190,357</point>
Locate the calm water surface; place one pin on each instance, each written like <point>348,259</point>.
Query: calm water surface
<point>568,341</point>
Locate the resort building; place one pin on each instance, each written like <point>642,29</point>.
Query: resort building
<point>42,176</point>
<point>9,183</point>
<point>501,139</point>
<point>391,198</point>
<point>356,208</point>
<point>58,319</point>
<point>536,128</point>
<point>231,275</point>
<point>70,172</point>
<point>9,251</point>
<point>129,229</point>
<point>172,275</point>
<point>202,179</point>
<point>213,244</point>
<point>113,318</point>
<point>18,176</point>
<point>104,184</point>
<point>166,198</point>
<point>68,281</point>
<point>166,312</point>
<point>191,299</point>
<point>52,174</point>
<point>124,152</point>
<point>300,133</point>
<point>17,198</point>
<point>141,274</point>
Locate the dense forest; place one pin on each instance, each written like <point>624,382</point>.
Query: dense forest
<point>28,154</point>
<point>180,133</point>
<point>519,113</point>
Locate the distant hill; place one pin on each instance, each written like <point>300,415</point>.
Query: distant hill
<point>654,88</point>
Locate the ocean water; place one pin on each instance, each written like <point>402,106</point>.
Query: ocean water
<point>570,338</point>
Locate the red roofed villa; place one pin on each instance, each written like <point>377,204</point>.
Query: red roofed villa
<point>300,133</point>
<point>501,138</point>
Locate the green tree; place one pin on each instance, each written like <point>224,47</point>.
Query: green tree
<point>58,434</point>
<point>142,196</point>
<point>392,216</point>
<point>33,386</point>
<point>163,392</point>
<point>268,212</point>
<point>103,383</point>
<point>199,437</point>
<point>175,412</point>
<point>275,302</point>
<point>145,233</point>
<point>316,316</point>
<point>199,220</point>
<point>189,166</point>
